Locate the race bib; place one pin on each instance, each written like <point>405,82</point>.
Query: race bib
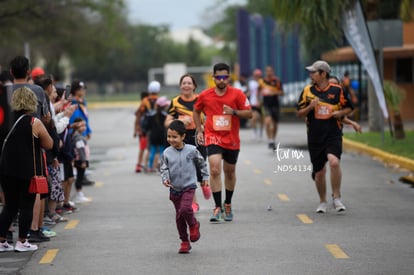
<point>266,91</point>
<point>323,111</point>
<point>222,122</point>
<point>186,119</point>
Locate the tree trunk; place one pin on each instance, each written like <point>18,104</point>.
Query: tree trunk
<point>398,126</point>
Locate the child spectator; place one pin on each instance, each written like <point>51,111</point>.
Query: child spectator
<point>179,165</point>
<point>81,148</point>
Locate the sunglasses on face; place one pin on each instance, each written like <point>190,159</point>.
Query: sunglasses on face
<point>221,77</point>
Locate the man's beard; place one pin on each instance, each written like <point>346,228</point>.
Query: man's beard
<point>222,86</point>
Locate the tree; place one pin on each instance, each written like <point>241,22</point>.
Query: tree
<point>394,95</point>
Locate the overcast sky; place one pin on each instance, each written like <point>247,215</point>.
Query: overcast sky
<point>178,14</point>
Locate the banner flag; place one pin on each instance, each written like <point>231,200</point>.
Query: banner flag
<point>356,32</point>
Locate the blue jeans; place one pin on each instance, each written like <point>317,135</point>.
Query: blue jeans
<point>154,149</point>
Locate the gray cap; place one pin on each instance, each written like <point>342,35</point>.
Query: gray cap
<point>319,65</point>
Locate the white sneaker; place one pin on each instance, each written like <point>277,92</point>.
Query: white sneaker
<point>26,246</point>
<point>338,205</point>
<point>80,198</point>
<point>5,247</point>
<point>322,207</point>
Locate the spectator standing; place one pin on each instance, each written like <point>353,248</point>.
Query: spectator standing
<point>179,165</point>
<point>324,105</point>
<point>80,145</point>
<point>66,152</point>
<point>21,154</point>
<point>223,106</point>
<point>78,93</point>
<point>20,69</point>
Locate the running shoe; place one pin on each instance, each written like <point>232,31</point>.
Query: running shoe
<point>61,210</point>
<point>47,232</point>
<point>228,214</point>
<point>195,232</point>
<point>185,248</point>
<point>138,168</point>
<point>216,216</point>
<point>206,191</point>
<point>80,198</point>
<point>5,246</point>
<point>23,247</point>
<point>48,221</point>
<point>70,207</point>
<point>37,237</point>
<point>338,205</point>
<point>322,207</point>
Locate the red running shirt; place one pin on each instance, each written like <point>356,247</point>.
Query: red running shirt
<point>221,129</point>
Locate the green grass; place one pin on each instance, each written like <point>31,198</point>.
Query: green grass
<point>403,147</point>
<point>113,98</point>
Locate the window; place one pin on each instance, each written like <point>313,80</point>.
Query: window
<point>404,70</point>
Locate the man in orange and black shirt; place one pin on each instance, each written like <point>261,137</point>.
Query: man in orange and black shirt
<point>270,88</point>
<point>324,105</point>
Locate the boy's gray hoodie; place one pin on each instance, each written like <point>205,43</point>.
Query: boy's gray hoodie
<point>179,166</point>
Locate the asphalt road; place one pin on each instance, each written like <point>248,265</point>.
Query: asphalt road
<point>129,227</point>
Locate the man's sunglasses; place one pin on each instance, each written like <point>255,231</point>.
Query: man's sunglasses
<point>221,77</point>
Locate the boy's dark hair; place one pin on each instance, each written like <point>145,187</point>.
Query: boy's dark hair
<point>19,67</point>
<point>76,120</point>
<point>178,126</point>
<point>221,67</point>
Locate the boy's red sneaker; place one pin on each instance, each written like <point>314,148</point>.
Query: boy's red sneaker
<point>206,191</point>
<point>185,247</point>
<point>195,232</point>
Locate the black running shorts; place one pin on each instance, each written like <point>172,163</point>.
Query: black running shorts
<point>229,156</point>
<point>319,152</point>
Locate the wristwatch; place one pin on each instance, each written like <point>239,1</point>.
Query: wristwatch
<point>234,113</point>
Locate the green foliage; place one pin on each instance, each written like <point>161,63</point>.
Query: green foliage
<point>398,147</point>
<point>394,95</point>
<point>406,12</point>
<point>95,35</point>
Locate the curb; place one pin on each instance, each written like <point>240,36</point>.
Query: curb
<point>402,162</point>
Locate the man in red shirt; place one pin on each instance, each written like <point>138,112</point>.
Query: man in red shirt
<point>223,106</point>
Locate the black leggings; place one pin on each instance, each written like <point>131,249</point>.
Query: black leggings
<point>80,174</point>
<point>18,200</point>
